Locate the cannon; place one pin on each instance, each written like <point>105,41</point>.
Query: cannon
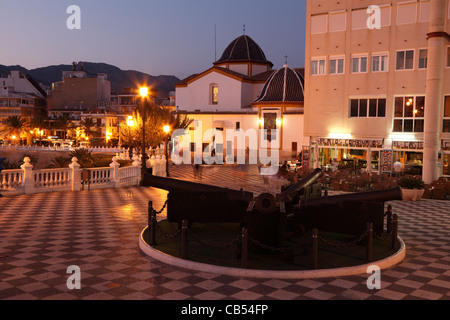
<point>296,189</point>
<point>200,203</point>
<point>347,214</point>
<point>269,217</point>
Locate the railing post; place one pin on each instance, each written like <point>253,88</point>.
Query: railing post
<point>28,181</point>
<point>184,239</point>
<point>244,255</point>
<point>394,231</point>
<point>116,173</point>
<point>370,241</point>
<point>76,176</point>
<point>315,245</point>
<point>137,172</point>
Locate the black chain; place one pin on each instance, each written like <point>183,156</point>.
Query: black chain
<point>168,235</point>
<point>275,249</point>
<point>162,209</point>
<point>224,246</point>
<point>345,245</point>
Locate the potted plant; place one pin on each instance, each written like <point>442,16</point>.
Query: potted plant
<point>412,188</point>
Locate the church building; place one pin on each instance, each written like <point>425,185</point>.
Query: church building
<point>242,91</point>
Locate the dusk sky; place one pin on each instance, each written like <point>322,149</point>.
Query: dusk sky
<point>170,37</point>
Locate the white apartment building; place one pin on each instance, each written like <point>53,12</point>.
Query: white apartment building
<point>20,96</point>
<point>378,84</point>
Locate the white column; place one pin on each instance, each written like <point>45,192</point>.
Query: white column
<point>116,173</point>
<point>28,180</point>
<point>437,38</point>
<point>76,175</point>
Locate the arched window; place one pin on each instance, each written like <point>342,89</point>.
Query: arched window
<point>214,94</point>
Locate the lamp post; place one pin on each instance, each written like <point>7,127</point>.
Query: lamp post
<point>167,131</point>
<point>143,91</point>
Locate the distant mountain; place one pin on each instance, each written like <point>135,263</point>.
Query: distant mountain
<point>120,79</point>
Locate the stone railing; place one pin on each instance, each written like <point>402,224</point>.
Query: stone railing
<point>29,181</point>
<point>61,149</point>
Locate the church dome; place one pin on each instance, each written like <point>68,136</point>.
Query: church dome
<point>243,49</point>
<point>284,85</point>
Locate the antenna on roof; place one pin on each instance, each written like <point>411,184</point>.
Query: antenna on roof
<point>215,42</point>
<point>286,57</point>
<point>244,29</point>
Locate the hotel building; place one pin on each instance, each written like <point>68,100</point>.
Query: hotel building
<point>377,84</point>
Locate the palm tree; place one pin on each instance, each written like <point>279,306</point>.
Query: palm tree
<point>40,122</point>
<point>64,123</point>
<point>180,122</point>
<point>90,127</point>
<point>15,126</point>
<point>84,156</point>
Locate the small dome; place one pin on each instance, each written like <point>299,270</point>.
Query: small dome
<point>284,85</point>
<point>244,49</point>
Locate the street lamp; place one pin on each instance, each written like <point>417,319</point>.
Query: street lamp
<point>143,91</point>
<point>167,131</point>
<point>130,121</point>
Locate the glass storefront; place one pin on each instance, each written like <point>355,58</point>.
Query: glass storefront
<point>412,161</point>
<point>446,164</point>
<point>349,159</point>
<point>353,154</point>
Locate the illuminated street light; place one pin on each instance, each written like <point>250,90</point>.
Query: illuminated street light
<point>143,91</point>
<point>130,121</point>
<point>167,131</point>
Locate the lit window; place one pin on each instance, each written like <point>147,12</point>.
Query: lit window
<point>405,60</point>
<point>409,113</point>
<point>214,94</point>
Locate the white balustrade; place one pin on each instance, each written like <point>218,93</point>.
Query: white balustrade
<point>53,178</point>
<point>11,180</point>
<point>100,176</point>
<point>62,149</point>
<point>29,181</point>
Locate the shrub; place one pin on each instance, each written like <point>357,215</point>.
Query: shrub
<point>411,183</point>
<point>60,162</point>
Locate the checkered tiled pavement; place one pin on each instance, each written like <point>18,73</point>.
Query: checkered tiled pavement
<point>41,235</point>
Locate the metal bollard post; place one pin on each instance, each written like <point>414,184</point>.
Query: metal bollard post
<point>394,231</point>
<point>370,241</point>
<point>315,243</point>
<point>244,247</point>
<point>154,226</point>
<point>389,222</point>
<point>152,223</point>
<point>184,246</point>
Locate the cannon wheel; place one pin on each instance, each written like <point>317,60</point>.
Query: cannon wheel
<point>299,230</point>
<point>266,203</point>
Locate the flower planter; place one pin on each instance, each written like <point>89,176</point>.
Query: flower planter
<point>412,194</point>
